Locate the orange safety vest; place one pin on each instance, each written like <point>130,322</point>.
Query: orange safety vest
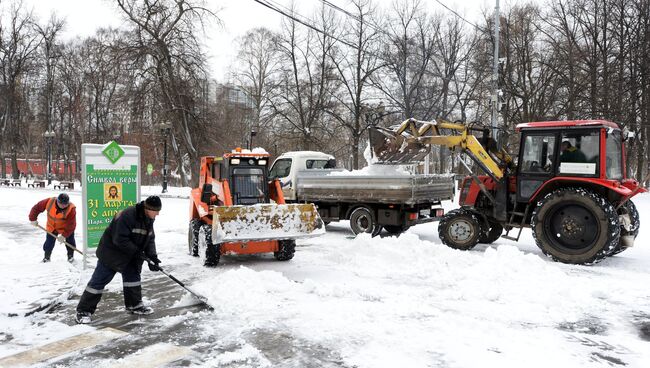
<point>56,221</point>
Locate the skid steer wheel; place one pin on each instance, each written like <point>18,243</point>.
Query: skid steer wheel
<point>628,208</point>
<point>193,237</point>
<point>212,251</point>
<point>460,229</point>
<point>362,220</point>
<point>490,236</point>
<point>575,225</point>
<point>286,251</point>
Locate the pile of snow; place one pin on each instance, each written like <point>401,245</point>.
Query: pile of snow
<point>376,169</point>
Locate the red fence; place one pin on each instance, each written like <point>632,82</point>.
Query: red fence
<point>39,167</point>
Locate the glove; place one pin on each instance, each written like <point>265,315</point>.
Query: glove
<point>60,238</point>
<point>154,267</point>
<point>35,223</point>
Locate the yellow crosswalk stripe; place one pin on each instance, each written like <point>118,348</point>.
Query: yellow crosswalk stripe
<point>61,347</point>
<point>153,356</point>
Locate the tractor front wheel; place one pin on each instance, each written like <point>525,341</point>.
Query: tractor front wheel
<point>575,225</point>
<point>460,229</point>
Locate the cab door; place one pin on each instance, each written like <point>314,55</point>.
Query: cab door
<point>281,170</point>
<point>537,155</point>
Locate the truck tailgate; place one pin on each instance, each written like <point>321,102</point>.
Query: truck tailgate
<point>318,185</point>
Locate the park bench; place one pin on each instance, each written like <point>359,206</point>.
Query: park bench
<point>63,185</point>
<point>14,182</point>
<point>36,184</point>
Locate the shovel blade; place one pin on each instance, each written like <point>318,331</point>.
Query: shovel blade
<point>265,222</point>
<point>392,148</point>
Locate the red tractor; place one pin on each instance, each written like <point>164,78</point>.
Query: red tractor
<point>569,185</point>
<point>237,210</point>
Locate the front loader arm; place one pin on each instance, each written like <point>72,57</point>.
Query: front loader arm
<point>412,140</point>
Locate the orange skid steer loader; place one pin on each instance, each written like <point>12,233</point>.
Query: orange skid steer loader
<point>237,210</point>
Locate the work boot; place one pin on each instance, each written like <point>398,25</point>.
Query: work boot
<point>70,259</point>
<point>46,257</point>
<point>142,310</point>
<point>83,318</point>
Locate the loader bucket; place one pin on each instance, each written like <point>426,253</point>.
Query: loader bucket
<point>392,148</point>
<point>265,222</point>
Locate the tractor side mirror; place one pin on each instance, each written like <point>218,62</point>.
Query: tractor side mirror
<point>206,193</point>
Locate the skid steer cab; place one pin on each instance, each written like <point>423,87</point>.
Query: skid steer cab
<point>237,210</point>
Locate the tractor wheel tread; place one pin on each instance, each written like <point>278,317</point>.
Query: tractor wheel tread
<point>583,200</point>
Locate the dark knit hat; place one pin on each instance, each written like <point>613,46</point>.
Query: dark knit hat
<point>63,199</point>
<point>153,203</point>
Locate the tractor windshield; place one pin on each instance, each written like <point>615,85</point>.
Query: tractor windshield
<point>614,162</point>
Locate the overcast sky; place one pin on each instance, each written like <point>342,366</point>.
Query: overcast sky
<point>85,16</point>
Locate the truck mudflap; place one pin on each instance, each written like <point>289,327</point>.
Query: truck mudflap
<point>265,222</point>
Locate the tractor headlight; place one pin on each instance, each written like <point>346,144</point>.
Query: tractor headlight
<point>234,161</point>
<point>261,162</point>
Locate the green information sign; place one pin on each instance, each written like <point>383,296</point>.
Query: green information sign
<point>110,182</point>
<point>108,191</point>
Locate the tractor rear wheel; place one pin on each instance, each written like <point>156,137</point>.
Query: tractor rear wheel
<point>492,235</point>
<point>362,220</point>
<point>460,229</point>
<point>286,251</point>
<point>193,237</point>
<point>575,225</point>
<point>635,223</point>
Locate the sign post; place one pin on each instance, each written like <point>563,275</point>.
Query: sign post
<point>110,182</point>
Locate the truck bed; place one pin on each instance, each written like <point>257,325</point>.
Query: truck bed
<point>320,186</point>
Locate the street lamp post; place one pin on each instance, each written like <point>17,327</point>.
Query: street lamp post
<point>164,129</point>
<point>49,135</point>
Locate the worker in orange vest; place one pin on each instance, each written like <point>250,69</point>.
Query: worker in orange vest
<point>61,221</point>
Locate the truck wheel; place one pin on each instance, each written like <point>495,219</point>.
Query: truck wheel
<point>395,229</point>
<point>362,220</point>
<point>286,251</point>
<point>193,237</point>
<point>575,225</point>
<point>628,208</point>
<point>460,229</point>
<point>492,235</point>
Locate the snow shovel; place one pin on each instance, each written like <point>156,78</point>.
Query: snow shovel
<point>64,242</point>
<point>200,297</point>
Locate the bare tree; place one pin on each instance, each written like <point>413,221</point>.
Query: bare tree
<point>258,64</point>
<point>18,45</point>
<point>356,62</point>
<point>165,34</point>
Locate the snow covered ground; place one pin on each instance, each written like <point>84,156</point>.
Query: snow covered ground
<point>344,301</point>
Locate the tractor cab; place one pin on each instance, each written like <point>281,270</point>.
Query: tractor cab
<point>588,152</point>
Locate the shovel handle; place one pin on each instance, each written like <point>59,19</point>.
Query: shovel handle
<point>64,242</point>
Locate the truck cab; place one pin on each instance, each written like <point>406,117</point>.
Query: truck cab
<point>286,168</point>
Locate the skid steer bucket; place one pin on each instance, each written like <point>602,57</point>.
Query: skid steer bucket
<point>392,148</point>
<point>265,222</point>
